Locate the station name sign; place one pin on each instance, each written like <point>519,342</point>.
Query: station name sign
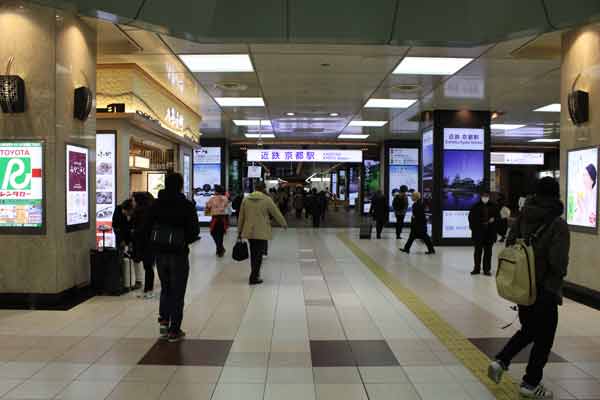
<point>295,155</point>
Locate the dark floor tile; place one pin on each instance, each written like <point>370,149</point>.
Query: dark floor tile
<point>331,353</point>
<point>372,353</point>
<point>188,352</point>
<point>492,346</point>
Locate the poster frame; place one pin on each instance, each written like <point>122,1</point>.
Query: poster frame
<point>30,230</point>
<point>401,144</point>
<point>84,225</point>
<point>579,228</point>
<point>116,172</point>
<point>153,172</point>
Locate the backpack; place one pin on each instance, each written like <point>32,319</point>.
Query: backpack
<point>516,274</point>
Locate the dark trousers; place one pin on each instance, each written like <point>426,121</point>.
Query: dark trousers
<point>421,235</point>
<point>379,223</point>
<point>484,249</point>
<point>298,213</point>
<point>148,273</point>
<point>399,224</point>
<point>173,272</point>
<point>538,326</point>
<point>257,249</point>
<point>218,233</point>
<point>316,220</point>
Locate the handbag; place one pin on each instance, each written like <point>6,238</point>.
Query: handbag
<point>240,251</point>
<point>166,238</point>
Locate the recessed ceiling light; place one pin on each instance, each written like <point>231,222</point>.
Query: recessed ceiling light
<point>555,107</point>
<point>350,136</point>
<point>290,114</point>
<point>334,114</point>
<point>260,135</point>
<point>390,103</point>
<point>506,127</point>
<point>431,65</point>
<point>217,62</point>
<point>544,141</point>
<point>375,124</point>
<point>240,101</point>
<point>252,122</point>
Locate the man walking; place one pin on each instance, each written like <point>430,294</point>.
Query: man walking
<point>418,226</point>
<point>400,205</point>
<point>172,226</point>
<point>483,221</point>
<point>379,211</point>
<point>255,225</point>
<point>539,321</point>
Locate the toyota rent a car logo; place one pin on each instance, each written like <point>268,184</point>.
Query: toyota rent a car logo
<point>16,173</point>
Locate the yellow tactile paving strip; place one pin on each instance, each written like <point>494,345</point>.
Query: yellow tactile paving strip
<point>469,355</point>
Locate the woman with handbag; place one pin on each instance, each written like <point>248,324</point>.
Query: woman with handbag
<point>218,208</point>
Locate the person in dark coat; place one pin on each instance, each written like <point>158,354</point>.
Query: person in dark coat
<point>418,226</point>
<point>121,224</point>
<point>539,320</point>
<point>141,252</point>
<point>315,208</point>
<point>172,210</point>
<point>379,212</point>
<point>400,206</point>
<point>483,221</point>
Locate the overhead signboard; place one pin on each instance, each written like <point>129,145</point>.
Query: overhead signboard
<point>464,139</point>
<point>106,189</point>
<point>77,175</point>
<point>207,155</point>
<point>21,187</point>
<point>295,155</point>
<point>517,158</point>
<point>254,171</point>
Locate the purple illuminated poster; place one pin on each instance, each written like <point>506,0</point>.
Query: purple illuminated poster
<point>77,186</point>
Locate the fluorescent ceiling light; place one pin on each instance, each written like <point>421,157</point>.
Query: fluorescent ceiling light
<point>334,114</point>
<point>375,124</point>
<point>431,65</point>
<point>555,107</point>
<point>544,141</point>
<point>389,103</point>
<point>290,114</point>
<point>252,122</point>
<point>351,136</point>
<point>217,62</point>
<point>506,127</point>
<point>240,101</point>
<point>260,135</point>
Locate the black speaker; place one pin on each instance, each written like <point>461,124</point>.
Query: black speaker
<point>82,104</point>
<point>12,94</point>
<point>579,106</point>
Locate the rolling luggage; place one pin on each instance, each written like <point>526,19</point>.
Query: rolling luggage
<point>106,271</point>
<point>365,230</point>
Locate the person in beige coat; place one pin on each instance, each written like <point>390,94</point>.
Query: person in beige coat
<point>255,225</point>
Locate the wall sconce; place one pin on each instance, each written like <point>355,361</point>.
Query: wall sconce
<point>12,91</point>
<point>579,104</point>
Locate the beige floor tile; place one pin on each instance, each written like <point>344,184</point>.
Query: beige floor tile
<point>581,388</point>
<point>383,375</point>
<point>150,373</point>
<point>429,374</point>
<point>477,391</point>
<point>339,391</point>
<point>137,391</point>
<point>19,370</point>
<point>87,390</point>
<point>287,391</point>
<point>243,375</point>
<point>446,391</point>
<point>391,391</point>
<point>590,368</point>
<point>188,391</point>
<point>6,385</point>
<point>235,391</point>
<point>282,375</point>
<point>60,372</point>
<point>36,390</point>
<point>336,375</point>
<point>99,372</point>
<point>197,374</point>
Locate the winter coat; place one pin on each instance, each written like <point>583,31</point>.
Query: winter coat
<point>121,227</point>
<point>483,231</point>
<point>255,217</point>
<point>400,204</point>
<point>418,222</point>
<point>379,208</point>
<point>551,247</point>
<point>298,201</point>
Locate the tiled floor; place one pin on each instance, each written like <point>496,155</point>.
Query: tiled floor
<point>323,326</point>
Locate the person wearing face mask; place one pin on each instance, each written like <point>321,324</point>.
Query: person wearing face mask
<point>483,222</point>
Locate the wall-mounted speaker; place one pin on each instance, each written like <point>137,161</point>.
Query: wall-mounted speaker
<point>579,106</point>
<point>12,94</point>
<point>82,104</point>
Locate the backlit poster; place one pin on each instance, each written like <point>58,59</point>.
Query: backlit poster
<point>353,186</point>
<point>342,186</point>
<point>21,186</point>
<point>427,177</point>
<point>582,188</point>
<point>463,178</point>
<point>187,166</point>
<point>207,174</point>
<point>106,190</point>
<point>78,206</point>
<point>403,170</point>
<point>156,183</point>
<point>371,183</point>
<point>254,171</point>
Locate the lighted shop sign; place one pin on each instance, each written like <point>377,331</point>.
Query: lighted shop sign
<point>331,156</point>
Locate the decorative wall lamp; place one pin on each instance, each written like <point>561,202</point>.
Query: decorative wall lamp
<point>12,91</point>
<point>82,102</point>
<point>579,104</point>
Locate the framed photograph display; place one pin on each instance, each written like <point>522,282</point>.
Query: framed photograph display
<point>582,189</point>
<point>22,187</point>
<point>106,187</point>
<point>156,183</point>
<point>78,188</point>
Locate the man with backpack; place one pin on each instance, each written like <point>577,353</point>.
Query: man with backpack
<point>400,206</point>
<point>541,225</point>
<point>172,225</point>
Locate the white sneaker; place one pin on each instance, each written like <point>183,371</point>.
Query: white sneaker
<point>535,392</point>
<point>495,371</point>
<point>149,295</point>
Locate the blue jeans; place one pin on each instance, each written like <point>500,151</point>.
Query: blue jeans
<point>173,272</point>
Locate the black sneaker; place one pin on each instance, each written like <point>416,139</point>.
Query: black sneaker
<point>164,329</point>
<point>405,251</point>
<point>256,282</point>
<point>175,337</point>
<point>475,272</point>
<point>487,273</point>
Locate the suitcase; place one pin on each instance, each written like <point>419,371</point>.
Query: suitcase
<point>106,271</point>
<point>365,230</point>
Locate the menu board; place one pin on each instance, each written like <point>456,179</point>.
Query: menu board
<point>106,188</point>
<point>21,187</point>
<point>582,189</point>
<point>403,170</point>
<point>77,174</point>
<point>463,178</point>
<point>207,174</point>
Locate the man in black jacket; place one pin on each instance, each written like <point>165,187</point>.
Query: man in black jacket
<point>418,226</point>
<point>483,221</point>
<point>121,224</point>
<point>379,211</point>
<point>400,206</point>
<point>175,211</point>
<point>539,321</point>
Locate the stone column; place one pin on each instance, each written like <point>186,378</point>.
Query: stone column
<point>54,52</point>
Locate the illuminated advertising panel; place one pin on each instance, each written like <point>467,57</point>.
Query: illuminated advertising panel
<point>156,183</point>
<point>427,156</point>
<point>187,166</point>
<point>207,174</point>
<point>403,169</point>
<point>77,177</point>
<point>297,155</point>
<point>106,188</point>
<point>21,187</point>
<point>517,158</point>
<point>582,189</point>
